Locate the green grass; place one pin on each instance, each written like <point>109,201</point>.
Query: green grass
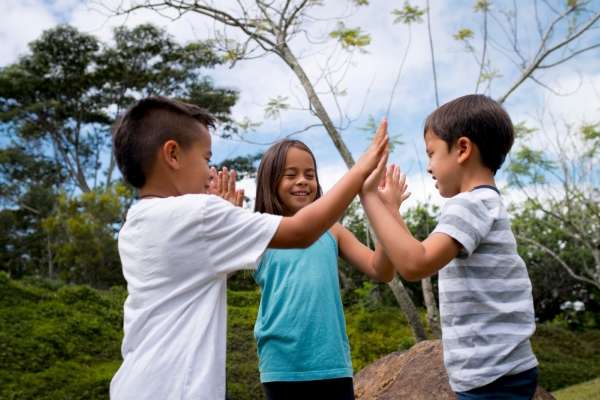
<point>589,390</point>
<point>63,342</point>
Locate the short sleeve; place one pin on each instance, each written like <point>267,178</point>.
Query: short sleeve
<point>236,237</point>
<point>466,220</point>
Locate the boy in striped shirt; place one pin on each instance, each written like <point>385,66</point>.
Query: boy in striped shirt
<point>486,305</point>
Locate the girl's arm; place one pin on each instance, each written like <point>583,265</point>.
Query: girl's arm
<point>308,224</point>
<point>414,260</point>
<point>392,191</point>
<point>374,264</point>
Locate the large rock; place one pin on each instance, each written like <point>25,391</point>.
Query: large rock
<point>416,374</point>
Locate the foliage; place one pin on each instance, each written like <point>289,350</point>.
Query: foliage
<point>351,37</point>
<point>63,342</point>
<point>566,357</point>
<point>60,100</point>
<point>408,14</point>
<point>545,272</point>
<point>82,234</point>
<point>58,341</point>
<point>558,225</point>
<point>60,206</point>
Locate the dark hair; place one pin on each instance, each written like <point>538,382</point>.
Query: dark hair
<point>479,118</point>
<point>269,175</point>
<point>143,129</point>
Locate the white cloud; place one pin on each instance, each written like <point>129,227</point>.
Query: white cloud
<point>20,23</point>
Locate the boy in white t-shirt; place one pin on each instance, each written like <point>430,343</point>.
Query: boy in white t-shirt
<point>178,244</point>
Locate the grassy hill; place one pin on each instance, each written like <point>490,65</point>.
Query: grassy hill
<point>63,342</point>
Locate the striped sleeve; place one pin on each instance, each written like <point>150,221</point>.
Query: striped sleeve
<point>466,220</point>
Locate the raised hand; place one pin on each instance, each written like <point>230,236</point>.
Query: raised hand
<point>393,188</point>
<point>376,151</point>
<point>222,184</point>
<point>373,181</point>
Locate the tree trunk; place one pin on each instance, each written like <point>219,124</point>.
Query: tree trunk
<point>50,260</point>
<point>316,104</point>
<point>433,315</point>
<point>408,308</point>
<point>402,297</point>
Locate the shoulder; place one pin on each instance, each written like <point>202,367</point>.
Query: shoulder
<point>466,203</point>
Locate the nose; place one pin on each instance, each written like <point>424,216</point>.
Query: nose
<point>301,180</point>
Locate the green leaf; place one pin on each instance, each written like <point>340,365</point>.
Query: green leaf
<point>350,37</point>
<point>463,34</point>
<point>408,14</point>
<point>275,106</point>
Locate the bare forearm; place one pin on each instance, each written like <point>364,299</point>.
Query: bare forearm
<point>308,224</point>
<point>402,249</point>
<point>383,269</point>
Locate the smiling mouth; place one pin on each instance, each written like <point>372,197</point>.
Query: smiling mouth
<point>300,194</point>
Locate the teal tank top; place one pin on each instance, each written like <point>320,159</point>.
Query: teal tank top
<point>300,328</point>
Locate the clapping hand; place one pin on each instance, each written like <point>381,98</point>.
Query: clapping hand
<point>222,184</point>
<point>392,188</point>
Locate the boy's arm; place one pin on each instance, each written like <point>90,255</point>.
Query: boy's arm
<point>392,190</point>
<point>308,224</point>
<point>374,264</point>
<point>414,260</point>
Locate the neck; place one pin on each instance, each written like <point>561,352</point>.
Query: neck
<point>154,190</point>
<point>477,178</point>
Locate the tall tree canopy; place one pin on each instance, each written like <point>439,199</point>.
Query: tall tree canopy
<point>60,204</point>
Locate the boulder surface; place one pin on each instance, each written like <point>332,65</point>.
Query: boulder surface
<point>416,374</point>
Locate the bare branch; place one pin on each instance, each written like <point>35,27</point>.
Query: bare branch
<point>560,261</point>
<point>435,85</point>
<point>544,52</point>
<point>554,64</point>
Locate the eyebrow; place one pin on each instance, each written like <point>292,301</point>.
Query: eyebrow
<point>296,168</point>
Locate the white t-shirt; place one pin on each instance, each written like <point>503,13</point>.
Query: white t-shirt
<point>176,253</point>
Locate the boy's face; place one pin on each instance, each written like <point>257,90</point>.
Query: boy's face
<point>443,165</point>
<point>194,172</point>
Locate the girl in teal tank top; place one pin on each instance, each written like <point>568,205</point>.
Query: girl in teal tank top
<point>300,329</point>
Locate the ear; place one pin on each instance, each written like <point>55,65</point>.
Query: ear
<point>171,154</point>
<point>464,147</point>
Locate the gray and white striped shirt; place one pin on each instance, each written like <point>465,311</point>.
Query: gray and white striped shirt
<point>486,306</point>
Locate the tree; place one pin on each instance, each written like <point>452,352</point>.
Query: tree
<point>57,105</point>
<point>29,187</point>
<point>269,27</point>
<point>561,182</point>
<point>61,100</point>
<point>546,248</point>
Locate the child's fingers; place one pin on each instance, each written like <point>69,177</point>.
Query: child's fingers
<point>395,175</point>
<point>389,176</point>
<point>224,179</point>
<point>381,130</point>
<point>231,183</point>
<point>382,162</point>
<point>239,197</point>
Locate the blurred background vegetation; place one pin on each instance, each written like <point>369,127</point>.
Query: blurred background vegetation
<point>62,203</point>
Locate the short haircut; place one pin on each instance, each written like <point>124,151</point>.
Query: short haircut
<point>270,172</point>
<point>146,126</point>
<point>479,118</point>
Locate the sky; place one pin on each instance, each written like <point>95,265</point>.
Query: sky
<point>367,79</point>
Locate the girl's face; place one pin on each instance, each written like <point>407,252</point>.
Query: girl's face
<point>298,185</point>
